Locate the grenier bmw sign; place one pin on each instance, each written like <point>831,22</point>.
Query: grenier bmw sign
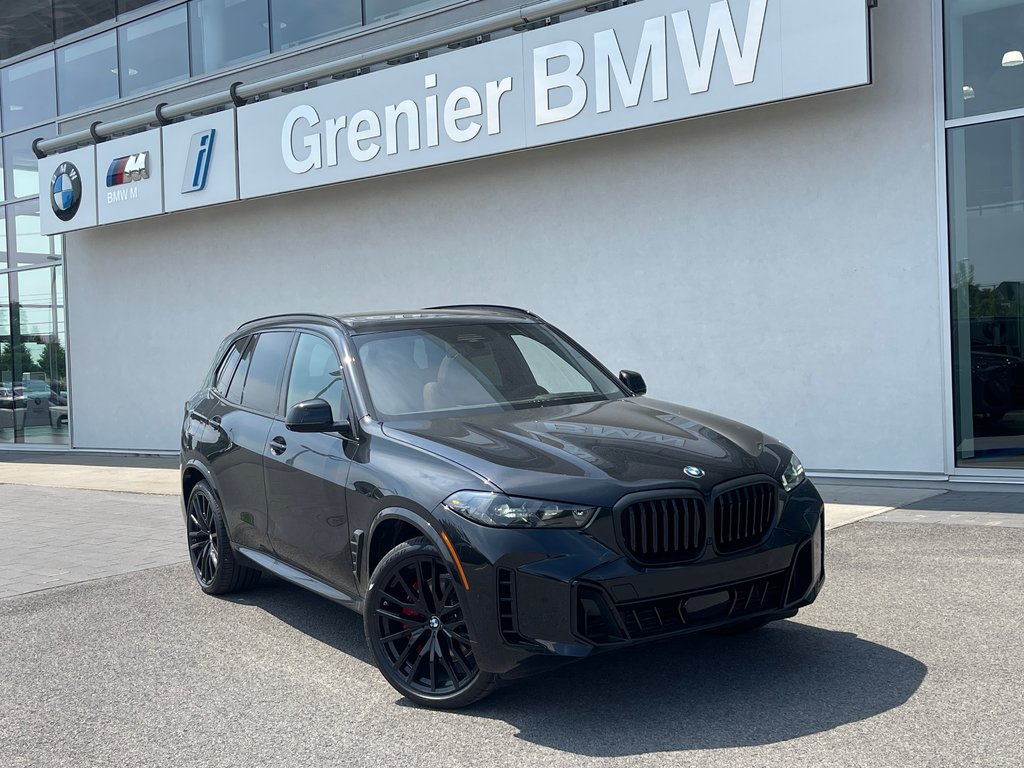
<point>650,62</point>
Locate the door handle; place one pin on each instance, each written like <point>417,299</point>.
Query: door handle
<point>278,445</point>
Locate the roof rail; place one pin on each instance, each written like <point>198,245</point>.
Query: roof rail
<point>501,307</point>
<point>293,315</point>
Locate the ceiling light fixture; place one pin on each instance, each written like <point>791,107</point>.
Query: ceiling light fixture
<point>968,92</point>
<point>1013,59</point>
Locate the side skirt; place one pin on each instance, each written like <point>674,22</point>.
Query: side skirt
<point>300,578</point>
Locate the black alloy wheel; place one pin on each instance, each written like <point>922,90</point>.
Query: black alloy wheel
<point>417,631</point>
<point>213,562</point>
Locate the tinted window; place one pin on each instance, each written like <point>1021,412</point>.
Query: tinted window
<point>24,25</point>
<point>230,362</point>
<point>29,92</point>
<point>154,51</point>
<point>316,373</point>
<point>294,22</point>
<point>21,164</point>
<point>263,382</point>
<point>70,16</point>
<point>227,32</point>
<point>87,73</point>
<point>234,393</point>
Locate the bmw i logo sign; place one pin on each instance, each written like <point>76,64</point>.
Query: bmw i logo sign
<point>66,191</point>
<point>693,471</point>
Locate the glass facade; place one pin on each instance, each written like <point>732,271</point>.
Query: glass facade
<point>985,154</point>
<point>154,50</point>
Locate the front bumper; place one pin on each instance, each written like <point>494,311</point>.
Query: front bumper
<point>539,598</point>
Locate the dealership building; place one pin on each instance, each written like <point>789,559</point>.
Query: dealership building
<point>807,215</point>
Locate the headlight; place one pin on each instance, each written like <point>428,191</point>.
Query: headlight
<point>793,475</point>
<point>510,512</point>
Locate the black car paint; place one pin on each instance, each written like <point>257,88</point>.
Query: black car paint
<point>322,504</point>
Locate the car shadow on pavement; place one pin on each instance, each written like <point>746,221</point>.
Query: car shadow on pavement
<point>708,692</point>
<point>310,614</point>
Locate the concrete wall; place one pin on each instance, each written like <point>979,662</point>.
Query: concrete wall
<point>777,265</point>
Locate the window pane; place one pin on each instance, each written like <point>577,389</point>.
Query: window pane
<point>70,16</point>
<point>986,187</point>
<point>317,373</point>
<point>127,6</point>
<point>20,163</point>
<point>87,73</point>
<point>24,25</point>
<point>229,364</point>
<point>30,247</point>
<point>154,51</point>
<point>263,383</point>
<point>3,246</point>
<point>294,22</point>
<point>33,372</point>
<point>379,10</point>
<point>234,393</point>
<point>228,32</point>
<point>984,56</point>
<point>28,93</point>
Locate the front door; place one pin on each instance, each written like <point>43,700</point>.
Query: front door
<point>306,473</point>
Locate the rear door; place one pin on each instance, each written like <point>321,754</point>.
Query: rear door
<point>306,472</point>
<point>239,424</point>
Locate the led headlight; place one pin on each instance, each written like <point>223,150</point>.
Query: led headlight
<point>793,474</point>
<point>510,512</point>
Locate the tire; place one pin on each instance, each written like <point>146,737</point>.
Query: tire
<point>215,565</point>
<point>420,638</point>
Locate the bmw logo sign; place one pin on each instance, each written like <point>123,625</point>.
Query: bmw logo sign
<point>66,191</point>
<point>693,471</point>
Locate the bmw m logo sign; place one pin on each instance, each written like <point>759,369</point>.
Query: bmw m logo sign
<point>125,170</point>
<point>65,191</point>
<point>693,472</point>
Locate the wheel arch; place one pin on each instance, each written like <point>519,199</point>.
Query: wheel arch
<point>192,473</point>
<point>394,526</point>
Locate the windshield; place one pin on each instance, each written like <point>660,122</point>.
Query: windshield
<point>455,367</point>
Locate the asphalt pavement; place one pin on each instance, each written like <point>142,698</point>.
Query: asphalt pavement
<point>913,656</point>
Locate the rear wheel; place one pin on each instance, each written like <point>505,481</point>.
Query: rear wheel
<point>417,631</point>
<point>214,563</point>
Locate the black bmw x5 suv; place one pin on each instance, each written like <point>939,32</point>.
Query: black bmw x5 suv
<point>486,494</point>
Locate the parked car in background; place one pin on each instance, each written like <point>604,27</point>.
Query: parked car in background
<point>490,497</point>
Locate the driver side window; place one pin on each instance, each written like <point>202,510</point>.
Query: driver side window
<point>317,373</point>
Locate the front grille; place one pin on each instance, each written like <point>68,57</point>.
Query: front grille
<point>743,516</point>
<point>665,615</point>
<point>663,531</point>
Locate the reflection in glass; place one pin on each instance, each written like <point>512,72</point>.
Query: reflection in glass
<point>127,6</point>
<point>984,41</point>
<point>70,16</point>
<point>24,24</point>
<point>3,245</point>
<point>986,189</point>
<point>379,10</point>
<point>293,22</point>
<point>21,168</point>
<point>28,92</point>
<point>154,51</point>
<point>30,245</point>
<point>227,32</point>
<point>33,365</point>
<point>87,73</point>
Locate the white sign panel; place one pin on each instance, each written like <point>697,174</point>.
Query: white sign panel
<point>128,178</point>
<point>70,181</point>
<point>650,62</point>
<point>199,162</point>
<point>642,64</point>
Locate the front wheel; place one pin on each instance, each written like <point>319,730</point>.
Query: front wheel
<point>417,631</point>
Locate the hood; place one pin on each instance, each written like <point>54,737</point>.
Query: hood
<point>594,453</point>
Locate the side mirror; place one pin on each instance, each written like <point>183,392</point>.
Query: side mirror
<point>634,382</point>
<point>315,416</point>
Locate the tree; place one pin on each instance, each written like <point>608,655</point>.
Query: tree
<point>53,361</point>
<point>26,363</point>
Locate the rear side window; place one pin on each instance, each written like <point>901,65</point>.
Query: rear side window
<point>234,393</point>
<point>229,364</point>
<point>262,391</point>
